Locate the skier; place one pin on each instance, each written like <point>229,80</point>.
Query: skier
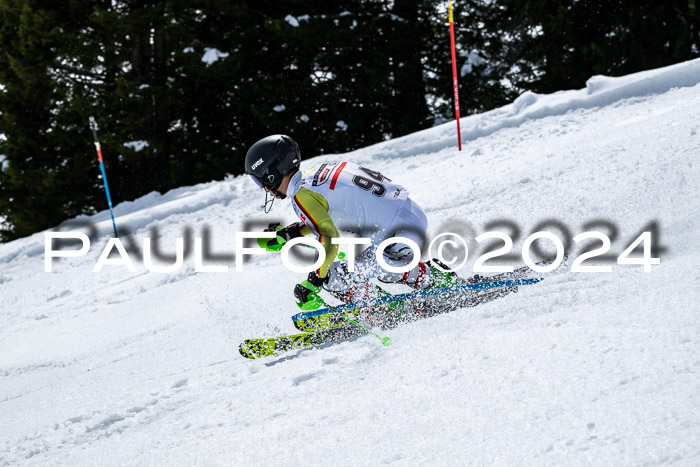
<point>345,196</point>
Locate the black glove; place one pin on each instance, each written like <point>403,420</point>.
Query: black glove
<point>302,293</point>
<point>289,232</point>
<point>272,227</point>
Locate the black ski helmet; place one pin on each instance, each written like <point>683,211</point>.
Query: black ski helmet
<point>270,159</point>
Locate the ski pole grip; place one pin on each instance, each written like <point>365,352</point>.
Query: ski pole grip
<point>272,244</point>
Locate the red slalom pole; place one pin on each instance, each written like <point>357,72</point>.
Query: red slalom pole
<point>454,76</point>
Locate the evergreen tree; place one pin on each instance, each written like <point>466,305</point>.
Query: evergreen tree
<point>559,44</point>
<point>45,177</point>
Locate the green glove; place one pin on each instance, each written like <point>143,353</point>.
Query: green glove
<point>273,244</point>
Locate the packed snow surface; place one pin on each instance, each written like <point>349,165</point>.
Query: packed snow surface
<point>118,367</point>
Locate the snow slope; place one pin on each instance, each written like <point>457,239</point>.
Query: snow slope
<point>143,368</point>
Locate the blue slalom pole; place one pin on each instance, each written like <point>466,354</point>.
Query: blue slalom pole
<point>93,127</point>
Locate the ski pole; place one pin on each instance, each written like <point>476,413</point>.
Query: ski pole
<point>315,301</point>
<point>386,341</point>
<point>93,127</point>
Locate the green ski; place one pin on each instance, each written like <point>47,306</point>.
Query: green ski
<point>273,346</point>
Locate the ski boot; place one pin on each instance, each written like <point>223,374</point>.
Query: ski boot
<point>443,277</point>
<point>376,315</point>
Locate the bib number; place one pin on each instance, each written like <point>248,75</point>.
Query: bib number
<point>373,182</point>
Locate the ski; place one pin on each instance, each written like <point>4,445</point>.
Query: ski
<point>328,325</point>
<point>274,346</point>
<point>333,327</point>
<point>399,298</point>
<point>418,304</point>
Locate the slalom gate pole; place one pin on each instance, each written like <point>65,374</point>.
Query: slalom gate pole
<point>454,76</point>
<point>93,127</point>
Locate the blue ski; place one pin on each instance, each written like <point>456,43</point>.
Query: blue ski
<point>417,294</point>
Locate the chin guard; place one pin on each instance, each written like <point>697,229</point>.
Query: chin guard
<point>267,207</point>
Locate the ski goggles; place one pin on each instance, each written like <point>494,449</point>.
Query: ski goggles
<point>257,181</point>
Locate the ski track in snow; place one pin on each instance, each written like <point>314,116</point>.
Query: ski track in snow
<point>117,367</point>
